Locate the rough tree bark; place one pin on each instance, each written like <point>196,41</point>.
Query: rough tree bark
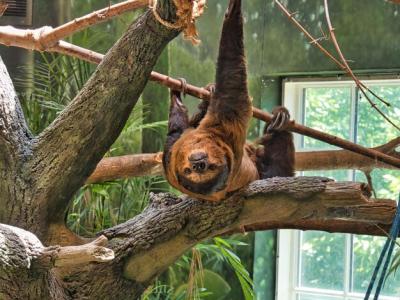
<point>40,174</point>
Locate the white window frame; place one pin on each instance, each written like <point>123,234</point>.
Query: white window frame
<point>288,243</point>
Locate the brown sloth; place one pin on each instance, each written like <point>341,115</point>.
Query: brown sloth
<point>207,156</point>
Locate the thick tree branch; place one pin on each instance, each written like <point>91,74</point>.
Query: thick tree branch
<point>150,242</point>
<point>148,164</point>
<point>68,150</point>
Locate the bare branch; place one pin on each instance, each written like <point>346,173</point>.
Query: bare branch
<point>51,38</point>
<point>127,166</point>
<point>46,37</point>
<point>149,164</point>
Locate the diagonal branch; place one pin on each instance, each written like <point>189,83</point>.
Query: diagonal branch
<point>51,38</point>
<point>202,93</point>
<point>14,134</point>
<point>46,37</point>
<point>68,150</point>
<point>147,244</point>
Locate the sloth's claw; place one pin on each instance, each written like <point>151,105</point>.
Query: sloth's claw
<point>183,86</point>
<point>280,120</point>
<point>210,87</point>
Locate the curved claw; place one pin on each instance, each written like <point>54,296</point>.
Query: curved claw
<point>280,120</point>
<point>176,99</point>
<point>210,87</point>
<point>183,86</point>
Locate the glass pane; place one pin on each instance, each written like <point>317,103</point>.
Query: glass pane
<point>316,297</point>
<point>366,250</point>
<point>327,109</point>
<point>322,260</point>
<point>373,130</point>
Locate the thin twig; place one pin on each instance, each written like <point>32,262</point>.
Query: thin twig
<point>343,65</point>
<point>349,70</point>
<point>47,37</point>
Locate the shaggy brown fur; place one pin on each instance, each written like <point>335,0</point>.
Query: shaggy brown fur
<point>207,157</point>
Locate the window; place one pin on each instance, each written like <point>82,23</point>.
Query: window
<point>315,265</point>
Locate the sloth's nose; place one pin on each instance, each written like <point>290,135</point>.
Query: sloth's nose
<point>199,161</point>
<point>200,165</point>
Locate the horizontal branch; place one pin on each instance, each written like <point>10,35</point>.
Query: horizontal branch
<point>171,225</point>
<point>121,167</point>
<point>150,164</point>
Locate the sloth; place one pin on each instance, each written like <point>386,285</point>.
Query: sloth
<point>207,156</point>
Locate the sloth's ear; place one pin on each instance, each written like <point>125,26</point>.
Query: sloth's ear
<point>178,122</point>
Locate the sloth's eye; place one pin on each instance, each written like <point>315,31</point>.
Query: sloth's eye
<point>187,171</point>
<point>212,167</point>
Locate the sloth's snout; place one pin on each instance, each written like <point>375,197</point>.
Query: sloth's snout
<point>199,161</point>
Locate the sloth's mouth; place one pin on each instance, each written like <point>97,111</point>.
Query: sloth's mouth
<point>216,184</point>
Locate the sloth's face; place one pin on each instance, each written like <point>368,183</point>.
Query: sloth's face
<point>202,167</point>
